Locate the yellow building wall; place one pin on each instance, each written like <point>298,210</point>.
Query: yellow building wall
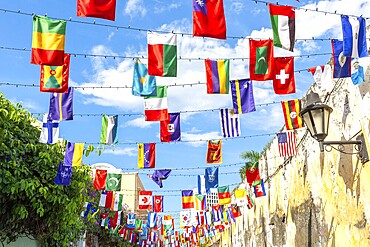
<point>316,198</point>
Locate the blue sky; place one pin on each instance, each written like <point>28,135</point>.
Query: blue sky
<point>244,18</point>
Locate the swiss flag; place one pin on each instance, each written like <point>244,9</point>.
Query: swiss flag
<point>283,80</point>
<point>158,204</point>
<point>145,200</point>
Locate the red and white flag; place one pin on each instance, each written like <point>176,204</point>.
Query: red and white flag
<point>157,204</point>
<point>283,80</point>
<point>145,200</point>
<point>286,142</point>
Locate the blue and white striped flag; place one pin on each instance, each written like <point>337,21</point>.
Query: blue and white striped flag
<point>354,36</point>
<point>230,124</point>
<point>152,218</point>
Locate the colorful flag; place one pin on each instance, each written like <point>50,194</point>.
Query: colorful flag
<point>155,107</point>
<point>216,212</point>
<point>211,178</point>
<point>217,72</point>
<point>64,175</point>
<point>283,81</point>
<point>73,155</point>
<point>160,175</point>
<point>109,128</point>
<point>250,202</point>
<point>358,74</point>
<point>153,237</point>
<point>187,199</point>
<point>342,64</point>
<point>168,223</point>
<point>201,185</point>
<point>259,188</point>
<point>55,78</point>
<point>61,106</point>
<point>200,202</point>
<point>97,8</point>
<point>240,196</point>
<point>252,172</point>
<point>235,211</point>
<point>146,155</point>
<point>113,181</point>
<point>138,224</point>
<point>145,200</point>
<point>242,96</point>
<point>100,178</point>
<point>117,202</point>
<point>170,129</point>
<point>230,124</point>
<point>224,196</point>
<point>354,36</point>
<point>286,143</point>
<point>108,199</point>
<point>143,84</point>
<point>291,110</point>
<point>48,39</point>
<point>317,73</point>
<point>162,54</point>
<point>131,220</point>
<point>152,219</point>
<point>261,60</point>
<point>209,19</point>
<point>50,131</point>
<point>214,152</point>
<point>185,219</point>
<point>158,204</point>
<point>283,26</point>
<point>103,198</point>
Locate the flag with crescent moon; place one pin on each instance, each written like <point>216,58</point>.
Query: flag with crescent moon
<point>113,181</point>
<point>261,58</point>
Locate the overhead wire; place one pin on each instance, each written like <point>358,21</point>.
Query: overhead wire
<point>85,55</point>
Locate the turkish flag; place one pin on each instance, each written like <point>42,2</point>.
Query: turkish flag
<point>145,200</point>
<point>99,180</point>
<point>283,80</point>
<point>158,204</point>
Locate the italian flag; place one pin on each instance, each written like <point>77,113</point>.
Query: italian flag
<point>155,107</point>
<point>162,54</point>
<point>283,26</point>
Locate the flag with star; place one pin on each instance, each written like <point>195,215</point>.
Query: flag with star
<point>55,78</point>
<point>113,181</point>
<point>146,155</point>
<point>283,80</point>
<point>64,175</point>
<point>242,96</point>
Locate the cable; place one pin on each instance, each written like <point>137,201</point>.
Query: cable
<point>314,10</point>
<point>117,87</point>
<point>142,57</point>
<point>140,29</point>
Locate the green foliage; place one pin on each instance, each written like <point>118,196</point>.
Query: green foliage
<point>251,157</point>
<point>31,204</point>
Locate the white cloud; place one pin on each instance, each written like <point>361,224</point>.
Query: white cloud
<point>28,104</point>
<point>160,7</point>
<point>109,72</point>
<point>139,122</point>
<point>130,151</point>
<point>110,36</point>
<point>237,7</point>
<point>135,8</point>
<point>189,136</point>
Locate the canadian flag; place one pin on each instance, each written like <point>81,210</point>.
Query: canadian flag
<point>145,200</point>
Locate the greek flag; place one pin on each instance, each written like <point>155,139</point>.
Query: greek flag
<point>230,124</point>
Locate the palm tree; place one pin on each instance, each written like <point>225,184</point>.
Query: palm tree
<point>251,157</point>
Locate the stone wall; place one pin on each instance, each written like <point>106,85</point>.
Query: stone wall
<point>316,198</point>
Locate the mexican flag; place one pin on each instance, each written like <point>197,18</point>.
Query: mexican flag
<point>162,54</point>
<point>155,107</point>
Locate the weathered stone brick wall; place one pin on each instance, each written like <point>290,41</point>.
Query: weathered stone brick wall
<point>314,198</point>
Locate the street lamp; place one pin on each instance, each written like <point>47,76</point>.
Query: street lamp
<point>316,116</point>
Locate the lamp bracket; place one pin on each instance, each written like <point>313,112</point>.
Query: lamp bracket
<point>339,146</point>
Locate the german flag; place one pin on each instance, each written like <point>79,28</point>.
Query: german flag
<point>291,110</point>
